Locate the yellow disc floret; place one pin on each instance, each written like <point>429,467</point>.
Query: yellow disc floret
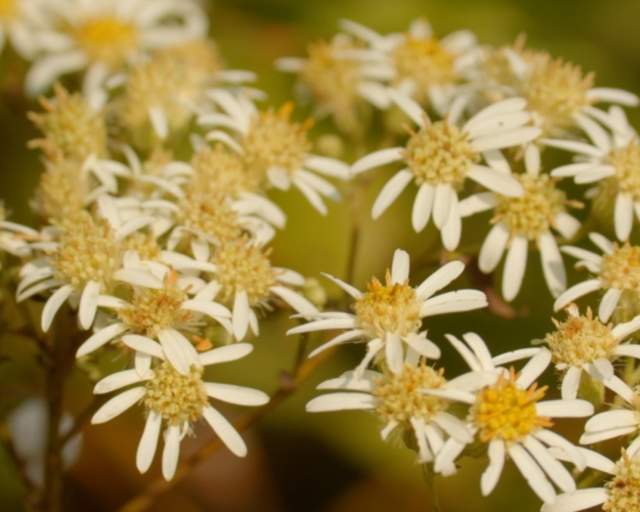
<point>209,215</point>
<point>9,9</point>
<point>388,308</point>
<point>621,268</point>
<point>504,411</point>
<point>624,487</point>
<point>63,190</point>
<point>177,398</point>
<point>626,163</point>
<point>107,39</point>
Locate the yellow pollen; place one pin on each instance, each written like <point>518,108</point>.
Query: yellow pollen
<point>534,212</point>
<point>273,140</point>
<point>87,251</point>
<point>626,162</point>
<point>145,244</point>
<point>62,191</point>
<point>177,398</point>
<point>151,311</point>
<point>107,39</point>
<point>243,266</point>
<point>71,129</point>
<point>504,411</point>
<point>624,487</point>
<point>400,398</point>
<point>9,9</point>
<point>621,268</point>
<point>388,308</point>
<point>210,216</point>
<point>581,339</point>
<point>440,153</point>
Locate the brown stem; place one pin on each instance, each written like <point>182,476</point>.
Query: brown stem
<point>81,419</point>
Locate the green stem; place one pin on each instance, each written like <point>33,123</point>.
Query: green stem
<point>430,479</point>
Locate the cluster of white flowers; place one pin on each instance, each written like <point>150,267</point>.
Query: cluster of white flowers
<point>162,252</point>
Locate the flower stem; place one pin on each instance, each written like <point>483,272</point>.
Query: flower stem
<point>430,479</point>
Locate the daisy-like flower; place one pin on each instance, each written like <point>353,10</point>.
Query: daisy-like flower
<point>426,68</point>
<point>620,493</point>
<point>616,272</point>
<point>103,36</point>
<point>510,416</point>
<point>15,238</point>
<point>177,401</point>
<point>441,155</point>
<point>611,160</point>
<point>390,313</point>
<point>160,310</point>
<point>398,400</point>
<point>339,85</point>
<point>19,19</point>
<point>519,221</point>
<point>585,344</point>
<point>274,147</point>
<point>246,281</point>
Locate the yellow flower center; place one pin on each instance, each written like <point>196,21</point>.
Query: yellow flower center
<point>388,308</point>
<point>624,487</point>
<point>62,190</point>
<point>145,244</point>
<point>273,140</point>
<point>440,153</point>
<point>626,162</point>
<point>534,212</point>
<point>87,251</point>
<point>581,339</point>
<point>400,397</point>
<point>177,398</point>
<point>9,10</point>
<point>209,215</point>
<point>244,266</point>
<point>621,268</point>
<point>107,39</point>
<point>555,90</point>
<point>71,129</point>
<point>504,411</point>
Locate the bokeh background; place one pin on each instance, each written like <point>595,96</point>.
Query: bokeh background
<point>333,462</point>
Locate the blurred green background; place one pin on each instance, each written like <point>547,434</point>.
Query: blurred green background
<point>333,462</point>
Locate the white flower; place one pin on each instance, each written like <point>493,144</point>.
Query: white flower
<point>583,343</point>
<point>440,156</point>
<point>397,399</point>
<point>616,271</point>
<point>509,415</point>
<point>274,147</point>
<point>177,401</point>
<point>20,21</point>
<point>161,310</point>
<point>102,36</point>
<point>390,313</point>
<point>530,218</point>
<point>424,67</point>
<point>16,238</point>
<point>612,159</point>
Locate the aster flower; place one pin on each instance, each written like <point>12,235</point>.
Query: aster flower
<point>274,147</point>
<point>162,309</point>
<point>519,221</point>
<point>397,399</point>
<point>616,271</point>
<point>440,156</point>
<point>177,401</point>
<point>246,281</point>
<point>618,494</point>
<point>510,416</point>
<point>15,238</point>
<point>390,313</point>
<point>103,36</point>
<point>19,19</point>
<point>611,160</point>
<point>423,66</point>
<point>585,344</point>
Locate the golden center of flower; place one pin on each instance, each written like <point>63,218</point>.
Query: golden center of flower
<point>71,129</point>
<point>534,212</point>
<point>504,411</point>
<point>626,162</point>
<point>242,266</point>
<point>144,244</point>
<point>274,141</point>
<point>555,90</point>
<point>400,397</point>
<point>107,39</point>
<point>388,308</point>
<point>9,10</point>
<point>210,216</point>
<point>62,191</point>
<point>621,268</point>
<point>624,487</point>
<point>87,251</point>
<point>581,339</point>
<point>177,398</point>
<point>440,153</point>
<point>425,61</point>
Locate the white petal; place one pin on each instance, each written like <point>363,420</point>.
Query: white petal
<point>239,395</point>
<point>53,304</point>
<point>240,319</point>
<point>295,300</point>
<point>617,418</point>
<point>571,383</point>
<point>377,159</point>
<point>116,381</point>
<point>581,499</point>
<point>442,204</point>
<point>551,466</point>
<point>225,354</point>
<point>552,264</point>
<point>148,442</point>
<point>608,303</point>
<point>394,353</point>
<point>564,408</point>
<point>171,451</point>
<point>575,292</point>
<point>178,350</point>
<point>533,369</point>
<point>491,475</point>
<point>495,181</point>
<point>493,248</point>
<point>439,279</point>
<point>225,431</point>
<point>143,344</point>
<point>422,207</point>
<point>118,404</point>
<point>453,302</point>
<point>532,473</point>
<point>101,337</point>
<point>392,189</point>
<point>341,402</point>
<point>514,267</point>
<point>400,266</point>
<point>88,304</point>
<point>346,287</point>
<point>623,216</point>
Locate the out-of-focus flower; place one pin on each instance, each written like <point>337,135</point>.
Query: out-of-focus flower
<point>20,21</point>
<point>177,400</point>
